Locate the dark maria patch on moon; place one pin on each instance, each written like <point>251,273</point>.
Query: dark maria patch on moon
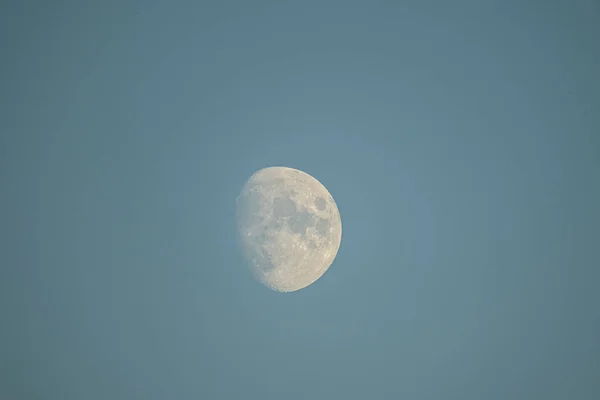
<point>320,203</point>
<point>322,226</point>
<point>283,207</point>
<point>299,222</point>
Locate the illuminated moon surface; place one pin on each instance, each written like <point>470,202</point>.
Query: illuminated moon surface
<point>289,227</point>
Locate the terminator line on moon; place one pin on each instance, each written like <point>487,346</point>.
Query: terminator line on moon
<point>289,228</point>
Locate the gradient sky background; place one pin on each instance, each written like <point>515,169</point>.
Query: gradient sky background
<point>460,139</point>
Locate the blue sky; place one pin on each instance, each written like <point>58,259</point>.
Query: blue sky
<point>459,140</point>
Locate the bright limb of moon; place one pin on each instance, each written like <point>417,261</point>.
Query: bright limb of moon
<point>289,227</point>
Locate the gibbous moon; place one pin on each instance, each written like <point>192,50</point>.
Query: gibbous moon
<point>289,228</point>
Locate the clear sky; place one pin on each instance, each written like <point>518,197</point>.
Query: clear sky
<point>460,139</point>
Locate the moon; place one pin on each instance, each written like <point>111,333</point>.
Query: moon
<point>289,228</point>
